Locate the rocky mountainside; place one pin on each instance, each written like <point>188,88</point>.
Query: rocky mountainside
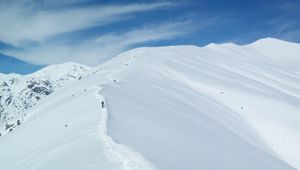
<point>18,93</point>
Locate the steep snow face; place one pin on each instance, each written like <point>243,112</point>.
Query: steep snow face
<point>183,107</point>
<point>18,93</point>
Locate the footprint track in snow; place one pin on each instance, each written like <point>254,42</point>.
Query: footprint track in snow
<point>124,157</point>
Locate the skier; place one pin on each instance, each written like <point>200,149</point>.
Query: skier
<point>102,103</point>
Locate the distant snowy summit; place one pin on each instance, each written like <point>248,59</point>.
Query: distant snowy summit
<point>20,92</point>
<point>275,52</point>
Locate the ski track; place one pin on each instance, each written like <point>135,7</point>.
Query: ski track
<point>124,157</point>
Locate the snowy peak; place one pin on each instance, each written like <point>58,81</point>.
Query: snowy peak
<point>271,42</point>
<point>4,77</point>
<point>270,51</point>
<point>61,72</point>
<point>282,54</point>
<point>18,93</point>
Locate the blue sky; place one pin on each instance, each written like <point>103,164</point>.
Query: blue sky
<point>43,32</point>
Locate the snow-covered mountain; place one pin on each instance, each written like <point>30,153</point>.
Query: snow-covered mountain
<point>171,108</point>
<point>18,93</point>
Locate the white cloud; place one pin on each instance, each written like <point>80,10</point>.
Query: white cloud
<point>93,51</point>
<point>24,21</point>
<point>39,21</point>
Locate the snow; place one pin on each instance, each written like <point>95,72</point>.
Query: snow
<point>59,71</point>
<point>177,99</point>
<point>126,158</point>
<point>42,145</point>
<point>282,54</point>
<point>19,93</point>
<point>179,107</point>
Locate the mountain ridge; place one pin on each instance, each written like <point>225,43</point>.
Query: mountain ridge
<point>262,41</point>
<point>177,107</point>
<point>20,92</point>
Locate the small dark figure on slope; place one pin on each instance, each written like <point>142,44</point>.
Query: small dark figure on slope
<point>102,103</point>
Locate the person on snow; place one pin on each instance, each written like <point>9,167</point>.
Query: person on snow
<point>102,103</point>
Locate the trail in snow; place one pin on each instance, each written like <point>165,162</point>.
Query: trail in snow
<point>123,156</point>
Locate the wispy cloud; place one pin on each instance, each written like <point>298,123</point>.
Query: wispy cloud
<point>285,23</point>
<point>30,27</point>
<point>25,21</point>
<point>95,50</point>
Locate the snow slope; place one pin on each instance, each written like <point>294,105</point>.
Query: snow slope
<point>181,107</point>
